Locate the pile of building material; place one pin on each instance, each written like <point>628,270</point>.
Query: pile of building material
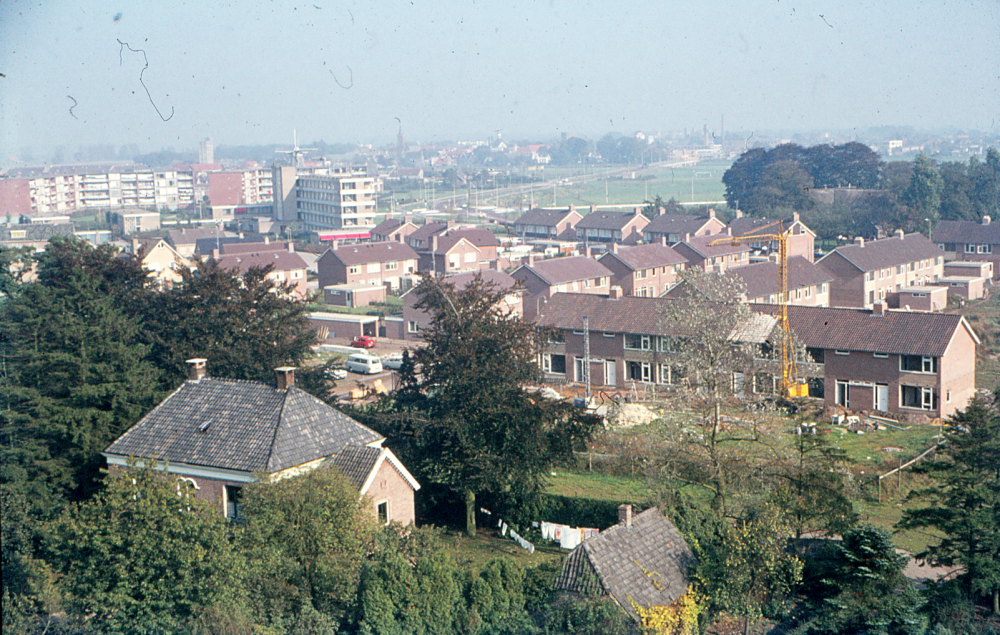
<point>629,414</point>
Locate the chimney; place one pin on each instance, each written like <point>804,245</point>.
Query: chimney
<point>637,210</point>
<point>878,308</point>
<point>795,217</point>
<point>531,259</point>
<point>711,212</point>
<point>687,237</point>
<point>267,240</point>
<point>588,251</point>
<point>291,246</point>
<point>334,244</point>
<point>434,243</point>
<point>739,213</point>
<point>615,293</point>
<point>135,246</point>
<point>572,208</point>
<point>773,257</point>
<point>614,248</point>
<point>196,368</point>
<point>663,240</point>
<point>285,377</point>
<point>898,234</point>
<point>625,515</point>
<point>660,211</point>
<point>986,219</point>
<point>593,208</point>
<point>859,241</point>
<point>215,253</point>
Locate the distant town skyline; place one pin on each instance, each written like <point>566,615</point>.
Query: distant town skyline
<point>249,74</point>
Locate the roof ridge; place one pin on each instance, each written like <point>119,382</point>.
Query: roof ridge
<point>277,427</point>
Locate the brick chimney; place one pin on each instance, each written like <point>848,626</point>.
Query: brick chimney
<point>711,212</point>
<point>196,368</point>
<point>531,259</point>
<point>878,308</point>
<point>739,213</point>
<point>291,247</point>
<point>285,377</point>
<point>614,248</point>
<point>663,240</point>
<point>859,241</point>
<point>898,234</point>
<point>615,293</point>
<point>572,208</point>
<point>625,515</point>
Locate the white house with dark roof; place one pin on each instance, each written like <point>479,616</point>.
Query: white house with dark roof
<point>869,272</point>
<point>642,560</point>
<point>217,435</point>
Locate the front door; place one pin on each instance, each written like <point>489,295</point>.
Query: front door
<point>882,397</point>
<point>843,394</point>
<point>610,378</point>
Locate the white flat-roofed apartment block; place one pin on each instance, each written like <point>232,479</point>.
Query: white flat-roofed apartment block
<point>344,198</point>
<point>65,190</point>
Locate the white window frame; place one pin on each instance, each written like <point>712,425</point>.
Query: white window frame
<point>645,342</point>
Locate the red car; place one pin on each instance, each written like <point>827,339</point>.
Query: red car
<point>363,341</point>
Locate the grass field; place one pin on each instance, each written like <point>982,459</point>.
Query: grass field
<point>984,317</point>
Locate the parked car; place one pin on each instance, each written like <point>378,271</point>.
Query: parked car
<point>393,361</point>
<point>363,341</point>
<point>363,363</point>
<point>336,374</point>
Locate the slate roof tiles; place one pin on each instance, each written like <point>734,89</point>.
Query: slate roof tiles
<point>544,217</point>
<point>764,278</point>
<point>642,257</point>
<point>569,269</point>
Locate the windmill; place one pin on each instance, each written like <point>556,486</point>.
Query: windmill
<point>296,153</point>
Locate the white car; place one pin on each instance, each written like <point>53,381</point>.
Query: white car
<point>393,361</point>
<point>363,363</point>
<point>336,374</point>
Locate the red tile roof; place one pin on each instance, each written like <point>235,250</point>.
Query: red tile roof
<point>888,252</point>
<point>567,269</point>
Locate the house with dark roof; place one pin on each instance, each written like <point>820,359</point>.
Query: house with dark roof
<point>700,252</point>
<point>808,285</point>
<point>869,272</point>
<point>217,435</point>
<point>674,227</point>
<point>374,264</point>
<point>643,560</point>
<point>445,248</point>
<point>544,278</point>
<point>970,241</point>
<point>909,364</point>
<point>287,267</point>
<point>413,321</point>
<point>643,270</point>
<point>393,229</point>
<point>801,241</point>
<point>630,341</point>
<point>611,227</point>
<point>185,240</point>
<point>162,260</point>
<point>548,224</point>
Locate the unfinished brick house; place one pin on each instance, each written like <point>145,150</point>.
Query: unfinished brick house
<point>970,241</point>
<point>801,240</point>
<point>217,435</point>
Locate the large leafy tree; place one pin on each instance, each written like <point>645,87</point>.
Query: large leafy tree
<point>143,555</point>
<point>466,421</point>
<point>923,193</point>
<point>964,501</point>
<point>245,325</point>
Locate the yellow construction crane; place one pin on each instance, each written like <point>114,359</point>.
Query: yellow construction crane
<point>790,385</point>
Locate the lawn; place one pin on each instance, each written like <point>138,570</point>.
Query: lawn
<point>984,318</point>
<point>392,306</point>
<point>473,553</point>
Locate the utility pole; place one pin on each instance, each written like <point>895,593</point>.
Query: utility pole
<point>586,355</point>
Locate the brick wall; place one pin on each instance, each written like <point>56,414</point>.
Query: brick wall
<point>390,486</point>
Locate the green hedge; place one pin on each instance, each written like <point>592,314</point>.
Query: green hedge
<point>579,512</point>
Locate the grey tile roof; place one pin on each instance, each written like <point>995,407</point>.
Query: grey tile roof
<point>425,231</point>
<point>888,252</point>
<point>356,462</point>
<point>190,236</point>
<point>229,248</point>
<point>605,220</point>
<point>35,232</point>
<point>545,217</point>
<point>646,563</point>
<point>749,225</point>
<point>702,245</point>
<point>364,253</point>
<point>676,224</point>
<point>642,257</point>
<point>281,260</point>
<point>254,427</point>
<point>965,231</point>
<point>764,278</point>
<point>896,332</point>
<point>568,269</point>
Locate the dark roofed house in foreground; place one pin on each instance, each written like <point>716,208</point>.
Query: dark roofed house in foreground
<point>217,435</point>
<point>642,560</point>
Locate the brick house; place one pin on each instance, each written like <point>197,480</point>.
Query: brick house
<point>643,270</point>
<point>801,240</point>
<point>548,224</point>
<point>700,252</point>
<point>374,264</point>
<point>970,241</point>
<point>919,365</point>
<point>287,267</point>
<point>674,227</point>
<point>808,285</point>
<point>414,320</point>
<point>575,274</point>
<point>217,435</point>
<point>444,248</point>
<point>869,272</point>
<point>393,229</point>
<point>611,227</point>
<point>643,560</point>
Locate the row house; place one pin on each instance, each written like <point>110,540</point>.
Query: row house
<point>287,267</point>
<point>964,240</point>
<point>393,229</point>
<point>569,274</point>
<point>808,285</point>
<point>643,270</point>
<point>800,240</point>
<point>699,251</point>
<point>160,259</point>
<point>413,321</point>
<point>548,224</point>
<point>611,227</point>
<point>909,364</point>
<point>185,240</point>
<point>866,273</point>
<point>374,264</point>
<point>445,248</point>
<point>675,227</point>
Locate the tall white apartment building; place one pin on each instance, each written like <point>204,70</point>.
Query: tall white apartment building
<point>326,199</point>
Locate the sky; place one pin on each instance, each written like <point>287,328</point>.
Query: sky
<point>251,72</point>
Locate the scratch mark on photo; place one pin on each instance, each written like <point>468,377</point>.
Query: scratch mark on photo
<point>338,81</point>
<point>125,45</point>
<point>72,107</point>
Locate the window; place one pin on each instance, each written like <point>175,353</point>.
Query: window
<point>638,371</point>
<point>970,248</point>
<point>672,375</point>
<point>667,344</point>
<point>609,334</point>
<point>382,511</point>
<point>233,494</point>
<point>554,364</point>
<point>814,355</point>
<point>353,269</point>
<point>839,352</point>
<point>637,342</point>
<point>391,266</point>
<point>881,355</point>
<point>918,364</point>
<point>922,397</point>
<point>985,249</point>
<point>411,326</point>
<point>18,233</point>
<point>580,370</point>
<point>900,269</point>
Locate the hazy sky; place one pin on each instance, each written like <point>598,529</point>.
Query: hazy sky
<point>249,72</point>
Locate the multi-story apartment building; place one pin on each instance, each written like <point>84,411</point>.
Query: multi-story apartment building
<point>342,199</point>
<point>869,272</point>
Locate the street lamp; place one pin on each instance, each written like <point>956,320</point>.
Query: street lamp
<point>928,221</point>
